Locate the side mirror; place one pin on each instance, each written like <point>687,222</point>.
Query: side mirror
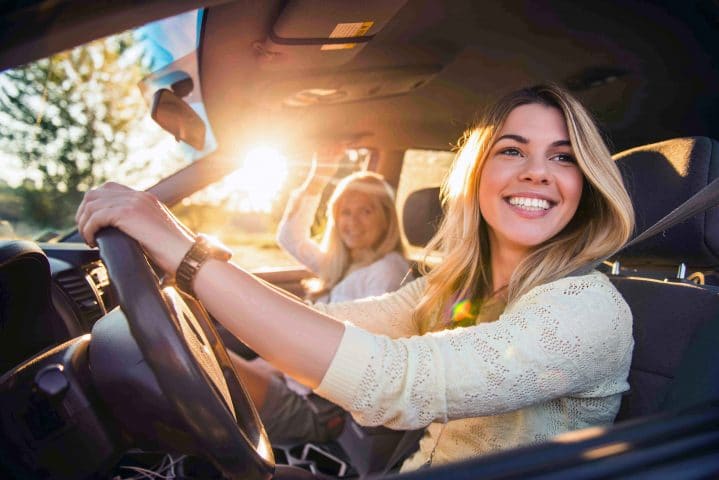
<point>178,118</point>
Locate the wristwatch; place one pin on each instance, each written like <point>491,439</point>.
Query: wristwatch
<point>205,247</point>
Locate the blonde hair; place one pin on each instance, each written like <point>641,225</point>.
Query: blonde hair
<point>337,256</point>
<point>602,224</point>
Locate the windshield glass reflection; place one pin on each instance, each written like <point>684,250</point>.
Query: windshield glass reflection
<point>77,119</point>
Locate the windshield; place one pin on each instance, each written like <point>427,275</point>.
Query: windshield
<point>82,117</point>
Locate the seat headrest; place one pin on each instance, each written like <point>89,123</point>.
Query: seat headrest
<point>659,177</point>
<point>421,216</point>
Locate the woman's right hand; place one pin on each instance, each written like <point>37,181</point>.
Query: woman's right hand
<point>138,214</point>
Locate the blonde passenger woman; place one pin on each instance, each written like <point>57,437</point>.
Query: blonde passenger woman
<point>506,342</point>
<point>360,254</point>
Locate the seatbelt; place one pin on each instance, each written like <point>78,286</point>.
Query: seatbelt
<point>704,199</point>
<point>406,445</point>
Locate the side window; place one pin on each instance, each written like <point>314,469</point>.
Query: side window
<point>421,169</point>
<point>244,209</point>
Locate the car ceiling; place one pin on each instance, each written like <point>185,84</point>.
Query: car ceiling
<point>654,64</point>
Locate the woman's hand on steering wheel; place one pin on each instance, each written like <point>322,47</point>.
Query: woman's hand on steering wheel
<point>138,214</point>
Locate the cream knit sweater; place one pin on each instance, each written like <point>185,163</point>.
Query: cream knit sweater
<point>556,360</point>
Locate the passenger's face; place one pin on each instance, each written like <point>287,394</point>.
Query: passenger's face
<point>530,185</point>
<point>360,221</point>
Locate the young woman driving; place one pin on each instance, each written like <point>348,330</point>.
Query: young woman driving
<point>533,196</point>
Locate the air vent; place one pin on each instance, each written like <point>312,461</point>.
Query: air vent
<point>77,285</point>
<point>101,282</point>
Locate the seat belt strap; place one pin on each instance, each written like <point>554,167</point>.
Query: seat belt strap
<point>406,445</point>
<point>702,200</point>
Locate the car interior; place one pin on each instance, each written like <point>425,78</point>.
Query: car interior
<point>103,365</point>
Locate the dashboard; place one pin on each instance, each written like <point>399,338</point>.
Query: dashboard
<point>49,293</point>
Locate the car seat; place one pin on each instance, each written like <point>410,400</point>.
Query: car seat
<point>28,322</point>
<point>672,314</point>
<point>421,216</point>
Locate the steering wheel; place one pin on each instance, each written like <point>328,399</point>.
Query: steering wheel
<point>180,345</point>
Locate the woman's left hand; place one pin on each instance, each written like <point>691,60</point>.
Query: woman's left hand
<point>138,214</point>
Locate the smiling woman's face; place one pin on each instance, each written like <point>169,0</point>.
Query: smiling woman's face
<point>360,221</point>
<point>530,184</point>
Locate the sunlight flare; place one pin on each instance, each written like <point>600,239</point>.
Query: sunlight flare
<point>262,175</point>
<point>254,186</point>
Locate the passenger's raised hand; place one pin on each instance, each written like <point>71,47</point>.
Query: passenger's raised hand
<point>325,163</point>
<point>138,214</point>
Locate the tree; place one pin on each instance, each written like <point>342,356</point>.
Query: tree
<point>67,119</point>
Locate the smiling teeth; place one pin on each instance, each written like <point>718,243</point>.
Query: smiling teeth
<point>530,203</point>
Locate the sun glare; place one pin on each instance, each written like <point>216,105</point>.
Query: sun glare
<point>260,178</point>
<point>254,186</point>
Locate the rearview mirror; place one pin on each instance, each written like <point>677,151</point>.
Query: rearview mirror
<point>178,118</point>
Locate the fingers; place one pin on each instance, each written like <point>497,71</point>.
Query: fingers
<point>141,216</point>
<point>102,207</point>
<point>330,154</point>
<point>98,192</point>
<point>327,161</point>
<point>95,219</point>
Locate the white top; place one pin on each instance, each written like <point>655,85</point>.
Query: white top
<point>555,360</point>
<point>382,276</point>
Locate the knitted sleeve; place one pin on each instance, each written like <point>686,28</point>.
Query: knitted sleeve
<point>389,314</point>
<point>572,337</point>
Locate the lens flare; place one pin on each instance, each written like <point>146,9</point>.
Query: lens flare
<point>464,313</point>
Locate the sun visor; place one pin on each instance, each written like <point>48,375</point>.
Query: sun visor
<point>318,34</point>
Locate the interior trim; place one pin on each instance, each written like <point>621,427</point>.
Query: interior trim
<point>318,40</point>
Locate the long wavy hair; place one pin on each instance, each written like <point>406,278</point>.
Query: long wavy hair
<point>603,222</point>
<point>337,258</point>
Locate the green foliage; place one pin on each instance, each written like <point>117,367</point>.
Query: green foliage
<point>66,120</point>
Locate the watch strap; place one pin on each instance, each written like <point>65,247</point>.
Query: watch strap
<point>202,249</point>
